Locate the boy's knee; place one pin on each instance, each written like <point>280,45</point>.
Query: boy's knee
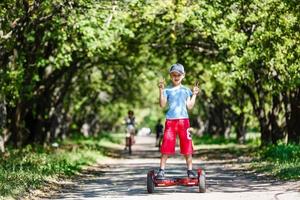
<point>188,156</point>
<point>164,156</point>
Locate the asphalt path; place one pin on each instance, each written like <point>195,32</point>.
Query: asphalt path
<point>124,177</point>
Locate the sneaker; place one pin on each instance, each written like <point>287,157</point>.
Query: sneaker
<point>191,174</point>
<point>160,174</point>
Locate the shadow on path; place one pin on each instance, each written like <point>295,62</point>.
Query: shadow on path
<point>126,177</point>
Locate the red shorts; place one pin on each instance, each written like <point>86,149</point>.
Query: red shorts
<point>172,127</point>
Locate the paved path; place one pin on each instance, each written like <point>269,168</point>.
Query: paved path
<point>125,178</point>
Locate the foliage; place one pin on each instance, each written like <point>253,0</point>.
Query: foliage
<point>282,153</point>
<point>282,161</point>
<point>69,63</point>
<point>207,139</point>
<point>30,167</point>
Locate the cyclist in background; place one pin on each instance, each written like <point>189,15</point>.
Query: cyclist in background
<point>130,129</point>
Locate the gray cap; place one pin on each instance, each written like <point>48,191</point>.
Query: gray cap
<point>177,68</point>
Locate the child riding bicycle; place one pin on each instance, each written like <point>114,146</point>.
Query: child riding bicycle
<point>130,130</point>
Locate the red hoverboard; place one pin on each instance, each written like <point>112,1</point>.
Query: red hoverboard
<point>152,182</point>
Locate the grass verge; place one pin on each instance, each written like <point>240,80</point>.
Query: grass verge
<point>281,161</point>
<point>29,167</point>
<point>212,147</point>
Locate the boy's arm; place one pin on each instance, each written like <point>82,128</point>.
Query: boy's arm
<point>191,100</point>
<point>162,98</point>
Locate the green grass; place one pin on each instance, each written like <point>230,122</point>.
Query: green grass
<point>281,161</point>
<point>213,147</point>
<point>208,139</point>
<point>30,167</point>
<point>252,139</point>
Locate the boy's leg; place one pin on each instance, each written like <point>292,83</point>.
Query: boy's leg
<point>161,171</point>
<point>189,165</point>
<point>163,161</point>
<point>167,147</point>
<point>186,145</point>
<point>189,161</point>
<point>169,138</point>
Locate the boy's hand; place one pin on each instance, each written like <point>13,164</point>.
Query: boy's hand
<point>161,83</point>
<point>196,88</point>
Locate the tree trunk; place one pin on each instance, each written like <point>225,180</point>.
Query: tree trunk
<point>16,127</point>
<point>293,116</point>
<point>265,137</point>
<point>54,127</point>
<point>276,130</point>
<point>216,115</point>
<point>260,113</point>
<point>201,125</point>
<point>3,117</point>
<point>241,129</point>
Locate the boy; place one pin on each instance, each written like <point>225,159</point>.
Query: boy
<point>179,98</point>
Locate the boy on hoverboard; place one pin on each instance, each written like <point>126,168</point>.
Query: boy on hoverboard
<point>179,98</point>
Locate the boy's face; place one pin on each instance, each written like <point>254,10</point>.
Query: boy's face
<point>176,78</point>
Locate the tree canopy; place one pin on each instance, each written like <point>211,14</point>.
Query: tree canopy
<point>66,63</point>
